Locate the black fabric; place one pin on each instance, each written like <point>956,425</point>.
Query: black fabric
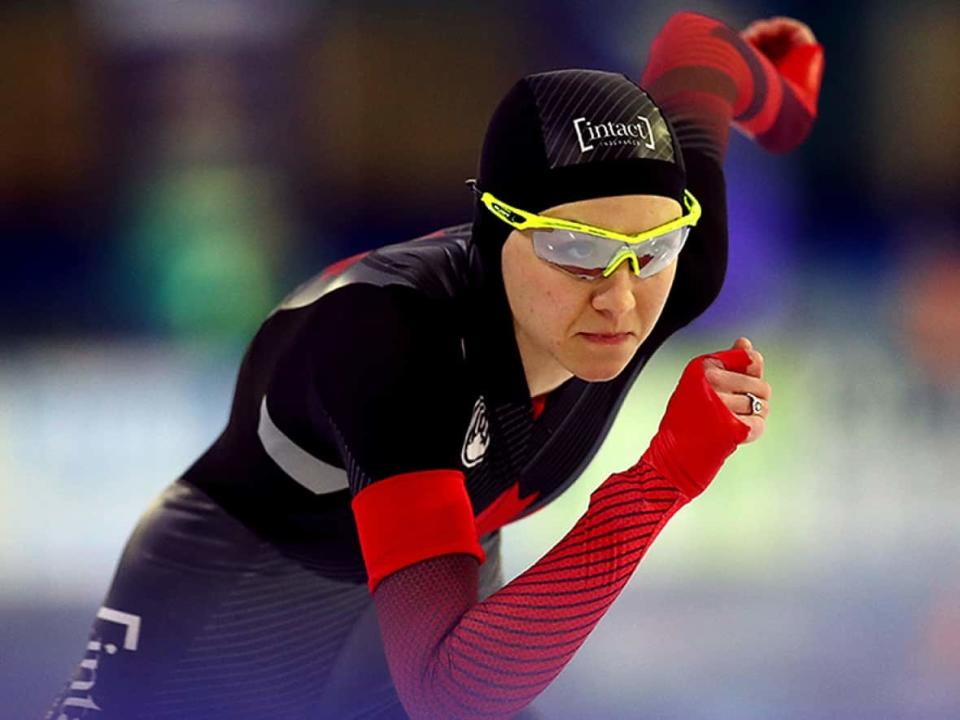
<point>534,154</point>
<point>232,628</point>
<point>396,399</point>
<point>591,117</point>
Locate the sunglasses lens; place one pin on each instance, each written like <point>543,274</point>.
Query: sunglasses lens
<point>577,253</point>
<point>589,256</point>
<point>662,251</point>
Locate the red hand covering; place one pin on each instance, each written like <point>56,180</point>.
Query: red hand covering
<point>700,67</point>
<point>692,459</point>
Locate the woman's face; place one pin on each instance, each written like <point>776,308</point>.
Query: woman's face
<point>567,325</point>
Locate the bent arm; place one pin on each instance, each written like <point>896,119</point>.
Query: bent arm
<point>452,657</point>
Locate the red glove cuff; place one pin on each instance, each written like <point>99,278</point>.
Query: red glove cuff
<point>698,432</point>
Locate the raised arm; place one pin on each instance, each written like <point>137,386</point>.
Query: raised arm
<point>765,81</point>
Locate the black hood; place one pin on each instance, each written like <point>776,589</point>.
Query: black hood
<point>570,135</point>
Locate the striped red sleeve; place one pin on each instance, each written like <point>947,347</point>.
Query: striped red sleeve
<point>703,72</point>
<point>453,657</point>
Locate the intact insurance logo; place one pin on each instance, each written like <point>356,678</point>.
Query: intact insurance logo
<point>117,630</point>
<point>592,135</point>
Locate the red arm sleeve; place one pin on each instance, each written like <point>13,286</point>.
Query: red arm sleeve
<point>452,657</point>
<point>706,75</point>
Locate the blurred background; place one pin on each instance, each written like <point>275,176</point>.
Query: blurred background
<point>169,170</point>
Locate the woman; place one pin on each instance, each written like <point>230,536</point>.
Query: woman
<point>335,552</point>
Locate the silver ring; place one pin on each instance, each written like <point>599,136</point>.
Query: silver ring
<point>756,404</point>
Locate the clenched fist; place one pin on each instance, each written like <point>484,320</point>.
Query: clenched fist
<point>777,36</point>
<point>731,387</point>
<point>793,50</point>
<point>709,415</point>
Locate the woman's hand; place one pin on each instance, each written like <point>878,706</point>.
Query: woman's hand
<point>792,48</point>
<point>732,386</point>
<point>777,36</point>
<point>708,416</point>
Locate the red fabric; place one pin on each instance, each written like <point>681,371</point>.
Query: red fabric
<point>803,68</point>
<point>698,64</point>
<point>407,518</point>
<point>504,509</point>
<point>452,657</point>
<point>340,265</point>
<point>692,459</point>
<point>539,403</point>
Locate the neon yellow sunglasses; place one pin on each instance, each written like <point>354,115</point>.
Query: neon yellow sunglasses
<point>591,252</point>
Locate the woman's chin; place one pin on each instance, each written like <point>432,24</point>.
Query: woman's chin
<point>599,364</point>
<point>598,372</point>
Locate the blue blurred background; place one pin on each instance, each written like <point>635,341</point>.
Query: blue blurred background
<point>168,170</point>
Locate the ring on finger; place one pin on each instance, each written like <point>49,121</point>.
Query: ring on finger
<point>756,404</point>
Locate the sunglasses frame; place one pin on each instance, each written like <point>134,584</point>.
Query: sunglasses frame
<point>523,220</point>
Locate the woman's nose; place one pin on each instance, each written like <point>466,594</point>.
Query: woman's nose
<point>615,293</point>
